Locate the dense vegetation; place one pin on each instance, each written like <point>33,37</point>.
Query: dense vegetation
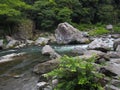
<point>47,14</point>
<point>77,74</point>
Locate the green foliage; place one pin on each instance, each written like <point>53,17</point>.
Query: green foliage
<point>76,74</point>
<point>116,28</point>
<point>98,31</point>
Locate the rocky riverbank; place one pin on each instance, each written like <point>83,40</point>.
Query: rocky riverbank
<point>105,47</point>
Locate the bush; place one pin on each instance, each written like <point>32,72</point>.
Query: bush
<point>76,74</point>
<point>98,31</point>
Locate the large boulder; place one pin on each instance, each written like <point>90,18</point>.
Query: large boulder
<point>24,30</point>
<point>116,43</point>
<point>41,41</point>
<point>47,50</point>
<point>102,44</point>
<point>66,34</point>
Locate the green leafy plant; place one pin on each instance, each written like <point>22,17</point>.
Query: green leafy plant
<point>98,31</point>
<point>76,74</point>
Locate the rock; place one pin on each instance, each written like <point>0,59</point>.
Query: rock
<point>47,50</point>
<point>100,56</point>
<point>41,41</point>
<point>54,82</point>
<point>112,54</point>
<point>46,66</point>
<point>29,42</point>
<point>118,48</point>
<point>12,44</point>
<point>116,36</point>
<point>20,46</point>
<point>79,50</point>
<point>48,88</point>
<point>116,43</point>
<point>109,27</point>
<point>102,44</point>
<point>52,38</point>
<point>1,44</point>
<point>111,87</point>
<point>24,30</point>
<point>66,34</point>
<point>41,85</point>
<point>113,68</point>
<point>8,38</point>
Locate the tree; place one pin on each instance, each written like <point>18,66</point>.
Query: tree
<point>11,12</point>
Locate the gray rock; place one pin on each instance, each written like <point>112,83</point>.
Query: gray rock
<point>1,44</point>
<point>109,27</point>
<point>8,38</point>
<point>79,50</point>
<point>112,54</point>
<point>118,48</point>
<point>47,50</point>
<point>116,43</point>
<point>101,57</point>
<point>12,44</point>
<point>29,42</point>
<point>41,85</point>
<point>41,41</point>
<point>46,66</point>
<point>66,33</point>
<point>111,87</point>
<point>48,88</point>
<point>102,44</point>
<point>116,36</point>
<point>112,69</point>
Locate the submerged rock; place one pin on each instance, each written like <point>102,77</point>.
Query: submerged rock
<point>66,34</point>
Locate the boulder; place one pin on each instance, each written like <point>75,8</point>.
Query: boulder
<point>46,66</point>
<point>101,57</point>
<point>47,50</point>
<point>116,43</point>
<point>41,41</point>
<point>12,44</point>
<point>102,44</point>
<point>1,44</point>
<point>67,34</point>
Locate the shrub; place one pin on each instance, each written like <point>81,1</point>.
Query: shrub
<point>76,74</point>
<point>98,31</point>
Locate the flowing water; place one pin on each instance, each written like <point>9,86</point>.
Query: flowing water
<point>16,66</point>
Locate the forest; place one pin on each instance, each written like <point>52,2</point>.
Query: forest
<point>47,14</point>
